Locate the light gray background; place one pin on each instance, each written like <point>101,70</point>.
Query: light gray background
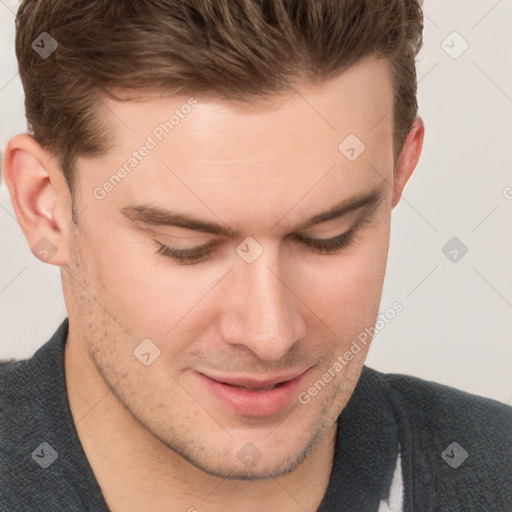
<point>456,324</point>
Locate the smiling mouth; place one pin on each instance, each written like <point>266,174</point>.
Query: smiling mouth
<point>255,384</point>
<point>255,397</point>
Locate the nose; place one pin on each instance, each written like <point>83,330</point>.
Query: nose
<point>262,313</point>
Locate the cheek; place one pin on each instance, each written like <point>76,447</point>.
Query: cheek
<point>345,290</point>
<point>126,276</point>
<point>149,294</point>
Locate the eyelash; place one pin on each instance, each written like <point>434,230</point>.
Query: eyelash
<point>197,254</point>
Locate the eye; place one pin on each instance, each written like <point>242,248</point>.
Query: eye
<point>329,245</point>
<point>318,245</point>
<point>185,256</point>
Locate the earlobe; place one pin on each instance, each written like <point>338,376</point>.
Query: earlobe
<point>408,158</point>
<point>37,188</point>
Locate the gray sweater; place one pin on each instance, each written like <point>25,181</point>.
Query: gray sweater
<point>456,448</point>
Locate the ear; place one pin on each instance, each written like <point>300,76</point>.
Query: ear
<point>408,158</point>
<point>40,197</point>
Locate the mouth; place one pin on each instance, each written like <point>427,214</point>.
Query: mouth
<point>255,397</point>
<point>257,388</point>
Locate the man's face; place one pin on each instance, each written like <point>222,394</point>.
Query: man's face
<point>248,311</point>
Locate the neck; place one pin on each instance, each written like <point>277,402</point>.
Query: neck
<point>137,472</point>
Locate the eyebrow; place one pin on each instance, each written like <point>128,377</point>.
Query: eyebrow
<point>156,216</point>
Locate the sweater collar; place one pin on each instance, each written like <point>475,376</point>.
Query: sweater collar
<point>366,449</point>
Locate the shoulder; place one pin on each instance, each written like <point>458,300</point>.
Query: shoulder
<point>18,378</point>
<point>456,444</point>
<point>23,402</point>
<point>36,375</point>
<point>16,381</point>
<point>37,441</point>
<point>439,405</point>
<point>31,391</point>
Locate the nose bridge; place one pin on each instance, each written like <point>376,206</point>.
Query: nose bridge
<point>263,314</point>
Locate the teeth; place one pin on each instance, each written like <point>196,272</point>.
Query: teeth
<point>258,389</point>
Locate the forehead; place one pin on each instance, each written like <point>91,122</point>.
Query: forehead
<point>352,102</point>
<point>260,154</point>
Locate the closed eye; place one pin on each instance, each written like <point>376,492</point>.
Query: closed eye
<point>329,245</point>
<point>317,245</point>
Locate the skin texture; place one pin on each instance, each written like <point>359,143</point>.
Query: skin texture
<point>156,438</point>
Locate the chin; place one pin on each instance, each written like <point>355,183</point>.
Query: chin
<point>236,471</point>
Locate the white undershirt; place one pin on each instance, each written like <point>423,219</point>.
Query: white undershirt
<point>394,502</point>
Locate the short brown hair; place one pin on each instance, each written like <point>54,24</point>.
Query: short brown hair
<point>232,49</point>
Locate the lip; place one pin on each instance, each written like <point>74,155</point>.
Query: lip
<point>255,402</point>
<point>249,382</point>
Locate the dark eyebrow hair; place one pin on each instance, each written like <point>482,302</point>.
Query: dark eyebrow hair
<point>156,216</point>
